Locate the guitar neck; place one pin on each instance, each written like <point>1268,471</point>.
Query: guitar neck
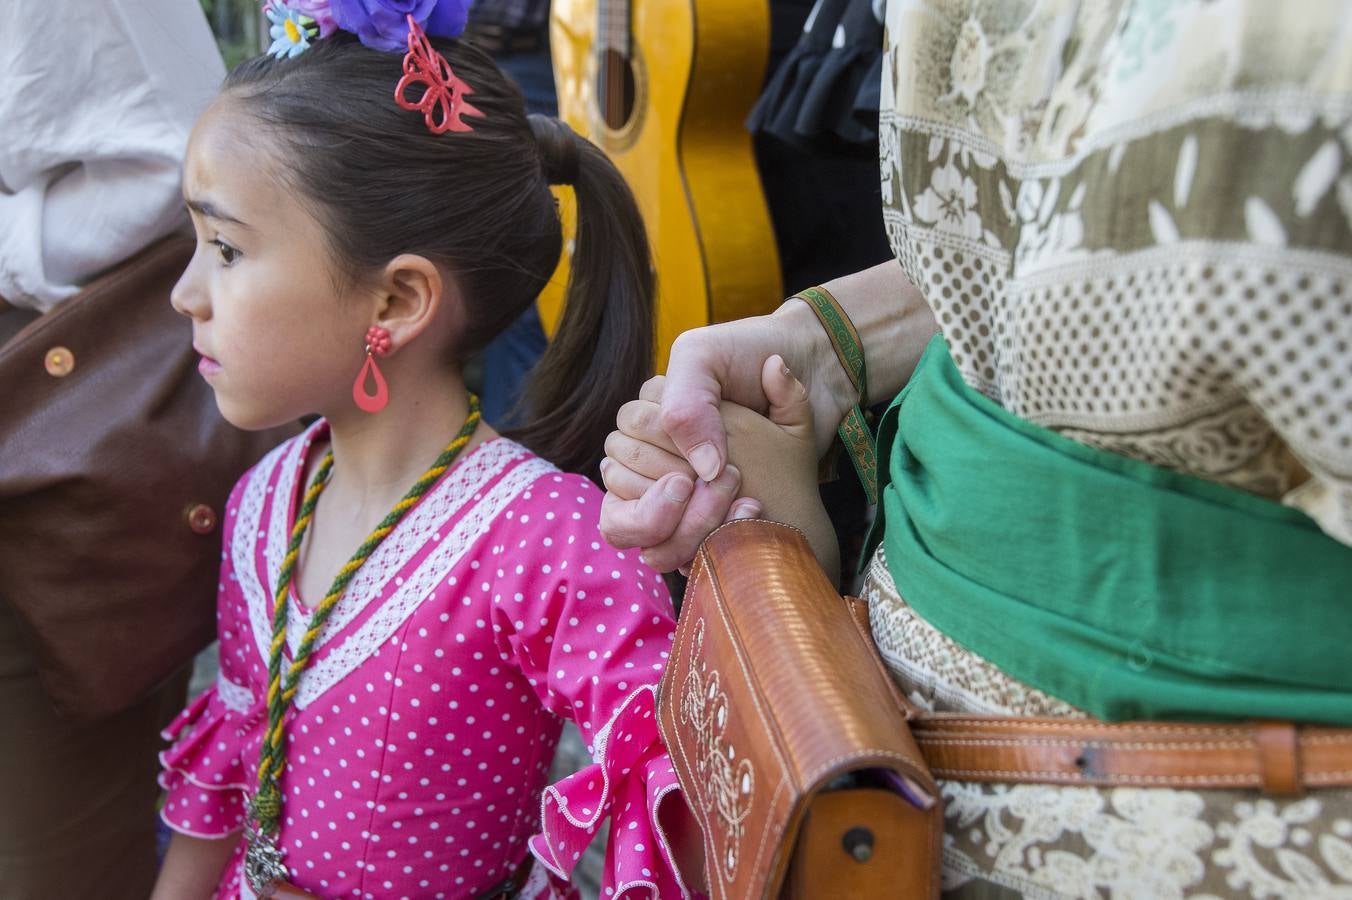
<point>614,32</point>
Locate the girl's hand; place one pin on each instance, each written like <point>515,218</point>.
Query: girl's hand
<point>725,362</point>
<point>777,454</point>
<point>680,416</point>
<point>651,490</point>
<point>772,469</point>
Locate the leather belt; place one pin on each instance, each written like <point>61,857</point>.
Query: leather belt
<point>1279,758</point>
<point>1275,757</point>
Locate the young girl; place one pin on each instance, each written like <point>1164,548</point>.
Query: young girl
<point>385,731</point>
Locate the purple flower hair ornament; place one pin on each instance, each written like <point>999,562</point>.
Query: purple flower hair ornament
<point>383,24</point>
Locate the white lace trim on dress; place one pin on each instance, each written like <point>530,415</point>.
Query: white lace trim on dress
<point>357,647</point>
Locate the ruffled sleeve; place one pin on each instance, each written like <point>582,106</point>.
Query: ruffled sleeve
<point>629,782</point>
<point>593,647</point>
<point>826,88</point>
<point>203,772</point>
<point>209,767</point>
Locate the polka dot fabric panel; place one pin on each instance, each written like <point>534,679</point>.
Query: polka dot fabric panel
<point>424,729</point>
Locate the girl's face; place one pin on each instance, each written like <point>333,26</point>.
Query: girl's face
<point>277,339</point>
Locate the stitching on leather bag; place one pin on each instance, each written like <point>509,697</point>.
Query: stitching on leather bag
<point>1340,777</point>
<point>772,734</point>
<point>935,839</point>
<point>934,833</point>
<point>704,708</point>
<point>728,625</point>
<point>765,832</point>
<point>858,754</point>
<point>908,710</point>
<point>922,771</point>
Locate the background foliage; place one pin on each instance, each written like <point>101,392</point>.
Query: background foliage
<point>237,25</point>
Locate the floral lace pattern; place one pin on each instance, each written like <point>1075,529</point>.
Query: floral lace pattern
<point>273,486</point>
<point>1058,843</point>
<point>1060,180</point>
<point>419,745</point>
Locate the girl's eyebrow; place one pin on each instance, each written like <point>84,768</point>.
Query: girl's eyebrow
<point>212,211</point>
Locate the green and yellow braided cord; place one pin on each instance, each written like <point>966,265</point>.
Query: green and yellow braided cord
<point>266,806</point>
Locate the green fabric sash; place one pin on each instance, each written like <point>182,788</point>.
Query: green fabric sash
<point>1125,589</point>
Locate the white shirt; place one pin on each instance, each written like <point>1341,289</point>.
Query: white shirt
<point>97,98</point>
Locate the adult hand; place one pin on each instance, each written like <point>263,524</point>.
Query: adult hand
<point>724,362</point>
<point>651,489</point>
<point>686,487</point>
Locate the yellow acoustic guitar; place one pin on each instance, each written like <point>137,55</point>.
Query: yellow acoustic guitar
<point>664,87</point>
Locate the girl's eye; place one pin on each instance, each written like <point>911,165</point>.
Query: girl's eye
<point>228,254</point>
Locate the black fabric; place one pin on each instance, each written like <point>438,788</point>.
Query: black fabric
<point>513,15</point>
<point>823,195</point>
<point>824,200</point>
<point>825,90</point>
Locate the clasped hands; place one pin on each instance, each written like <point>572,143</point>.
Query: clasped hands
<point>734,430</point>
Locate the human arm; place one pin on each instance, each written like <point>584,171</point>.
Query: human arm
<point>590,628</point>
<point>204,772</point>
<point>724,362</point>
<point>192,867</point>
<point>777,457</point>
<point>774,455</point>
<point>96,176</point>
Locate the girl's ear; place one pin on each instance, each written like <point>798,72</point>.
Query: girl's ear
<point>412,295</point>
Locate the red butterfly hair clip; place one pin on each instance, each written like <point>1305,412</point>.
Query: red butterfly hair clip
<point>443,92</point>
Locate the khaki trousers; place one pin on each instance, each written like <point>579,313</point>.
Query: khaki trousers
<point>77,802</point>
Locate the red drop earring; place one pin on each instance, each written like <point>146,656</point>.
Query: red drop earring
<point>377,344</point>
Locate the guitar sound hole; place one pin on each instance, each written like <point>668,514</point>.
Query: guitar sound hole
<point>616,89</point>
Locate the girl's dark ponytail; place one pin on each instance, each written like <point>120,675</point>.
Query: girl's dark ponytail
<point>602,350</point>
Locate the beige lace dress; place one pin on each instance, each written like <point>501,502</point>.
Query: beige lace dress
<point>1133,221</point>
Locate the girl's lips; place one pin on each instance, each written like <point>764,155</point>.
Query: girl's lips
<point>208,367</point>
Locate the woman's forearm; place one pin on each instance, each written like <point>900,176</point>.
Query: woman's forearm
<point>893,321</point>
<point>894,325</point>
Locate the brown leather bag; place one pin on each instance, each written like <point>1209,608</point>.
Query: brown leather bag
<point>114,469</point>
<point>771,701</point>
<point>774,689</point>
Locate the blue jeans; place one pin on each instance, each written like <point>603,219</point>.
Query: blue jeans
<point>507,362</point>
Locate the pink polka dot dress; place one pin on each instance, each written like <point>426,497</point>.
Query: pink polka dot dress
<point>425,724</point>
